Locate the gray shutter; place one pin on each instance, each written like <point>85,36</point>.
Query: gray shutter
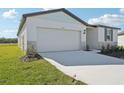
<point>111,35</point>
<point>105,34</point>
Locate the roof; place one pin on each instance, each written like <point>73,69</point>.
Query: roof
<point>24,16</point>
<point>108,26</point>
<point>121,33</point>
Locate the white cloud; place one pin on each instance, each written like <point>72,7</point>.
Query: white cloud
<point>10,14</point>
<point>8,33</point>
<point>108,19</point>
<point>122,10</point>
<point>49,8</point>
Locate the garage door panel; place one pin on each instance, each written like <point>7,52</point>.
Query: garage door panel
<point>57,40</point>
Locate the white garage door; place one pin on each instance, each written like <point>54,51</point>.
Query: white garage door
<point>57,40</point>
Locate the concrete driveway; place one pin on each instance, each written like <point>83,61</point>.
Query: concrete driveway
<point>88,67</point>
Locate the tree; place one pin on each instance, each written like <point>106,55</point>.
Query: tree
<point>8,40</point>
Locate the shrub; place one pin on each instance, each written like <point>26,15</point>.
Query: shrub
<point>31,55</point>
<point>31,50</point>
<point>108,46</point>
<point>103,49</point>
<point>121,48</point>
<point>115,51</point>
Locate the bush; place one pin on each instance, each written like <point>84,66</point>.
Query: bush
<point>103,50</point>
<point>108,47</point>
<point>115,51</point>
<point>31,55</point>
<point>87,48</point>
<point>31,50</point>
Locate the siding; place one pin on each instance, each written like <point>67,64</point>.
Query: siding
<point>101,37</point>
<point>121,40</point>
<point>92,38</point>
<point>58,20</point>
<point>23,35</point>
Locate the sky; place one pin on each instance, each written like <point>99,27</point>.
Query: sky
<point>10,17</point>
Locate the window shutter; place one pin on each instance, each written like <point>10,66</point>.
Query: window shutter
<point>111,35</point>
<point>105,34</point>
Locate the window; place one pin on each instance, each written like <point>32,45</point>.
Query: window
<point>108,34</point>
<point>84,32</point>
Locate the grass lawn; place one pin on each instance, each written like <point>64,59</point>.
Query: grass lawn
<point>15,72</point>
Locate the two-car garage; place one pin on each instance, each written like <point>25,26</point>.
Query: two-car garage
<point>53,31</point>
<point>53,39</point>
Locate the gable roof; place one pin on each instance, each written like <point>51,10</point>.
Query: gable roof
<point>108,26</point>
<point>121,33</point>
<point>24,16</point>
<point>56,10</point>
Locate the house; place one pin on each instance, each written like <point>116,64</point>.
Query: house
<point>60,30</point>
<point>121,38</point>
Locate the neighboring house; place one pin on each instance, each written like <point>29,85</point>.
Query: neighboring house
<point>121,38</point>
<point>60,30</point>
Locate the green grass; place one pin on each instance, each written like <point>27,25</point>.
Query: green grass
<point>15,72</point>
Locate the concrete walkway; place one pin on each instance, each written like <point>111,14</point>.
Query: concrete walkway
<point>88,67</point>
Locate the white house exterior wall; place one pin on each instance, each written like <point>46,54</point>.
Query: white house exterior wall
<point>115,36</point>
<point>92,38</point>
<point>96,38</point>
<point>121,40</point>
<point>23,34</point>
<point>101,34</point>
<point>57,20</point>
<point>101,37</point>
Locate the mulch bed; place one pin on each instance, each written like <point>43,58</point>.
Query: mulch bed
<point>31,57</point>
<point>115,54</point>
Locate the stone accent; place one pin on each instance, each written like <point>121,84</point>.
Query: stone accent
<point>31,43</point>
